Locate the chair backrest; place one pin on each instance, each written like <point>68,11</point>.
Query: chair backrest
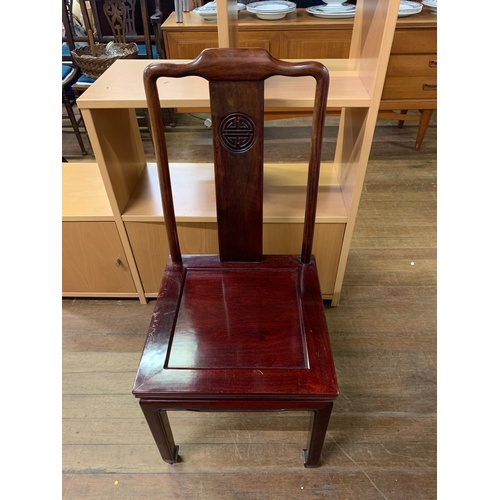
<point>236,84</point>
<point>73,33</point>
<point>125,21</point>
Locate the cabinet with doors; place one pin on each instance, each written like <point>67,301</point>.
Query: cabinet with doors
<point>130,183</point>
<point>94,262</point>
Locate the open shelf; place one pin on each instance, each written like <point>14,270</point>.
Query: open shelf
<point>193,185</point>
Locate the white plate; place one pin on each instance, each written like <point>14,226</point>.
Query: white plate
<point>335,8</point>
<point>408,8</point>
<point>409,5</point>
<point>271,16</point>
<point>320,11</point>
<point>209,11</point>
<point>271,10</point>
<point>432,5</point>
<point>269,6</point>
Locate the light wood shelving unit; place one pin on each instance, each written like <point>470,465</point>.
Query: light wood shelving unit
<point>411,79</point>
<point>130,185</point>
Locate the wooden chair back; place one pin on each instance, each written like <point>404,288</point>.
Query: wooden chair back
<point>124,21</point>
<point>236,83</point>
<point>71,36</point>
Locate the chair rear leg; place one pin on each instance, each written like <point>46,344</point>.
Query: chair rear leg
<point>74,124</point>
<point>317,433</point>
<point>157,419</point>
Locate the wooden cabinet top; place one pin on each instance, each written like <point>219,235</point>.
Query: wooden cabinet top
<point>121,86</point>
<point>298,20</point>
<point>84,196</point>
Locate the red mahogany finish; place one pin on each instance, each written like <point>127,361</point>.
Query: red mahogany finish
<point>238,331</point>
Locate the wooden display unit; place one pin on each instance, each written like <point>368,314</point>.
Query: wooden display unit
<point>130,184</point>
<point>411,82</point>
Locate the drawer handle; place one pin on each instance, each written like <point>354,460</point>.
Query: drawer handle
<point>433,63</point>
<point>429,86</point>
<point>118,263</point>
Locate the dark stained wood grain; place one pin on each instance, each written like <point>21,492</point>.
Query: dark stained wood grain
<point>238,331</point>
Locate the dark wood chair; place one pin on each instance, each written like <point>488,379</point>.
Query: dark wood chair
<point>69,76</point>
<point>120,21</point>
<point>68,37</point>
<point>238,331</point>
<point>125,21</point>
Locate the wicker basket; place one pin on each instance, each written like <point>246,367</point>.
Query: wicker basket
<point>95,66</point>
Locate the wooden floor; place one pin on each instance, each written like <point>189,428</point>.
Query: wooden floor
<point>381,441</point>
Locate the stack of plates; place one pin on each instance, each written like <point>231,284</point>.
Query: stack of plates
<point>209,11</point>
<point>333,10</point>
<point>407,8</point>
<point>432,5</point>
<point>271,10</point>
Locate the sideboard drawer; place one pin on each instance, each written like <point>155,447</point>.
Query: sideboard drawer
<point>410,41</point>
<point>412,65</point>
<point>419,87</point>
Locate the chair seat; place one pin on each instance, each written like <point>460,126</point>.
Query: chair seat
<point>85,80</point>
<point>224,323</point>
<point>68,73</point>
<point>82,84</point>
<point>142,52</point>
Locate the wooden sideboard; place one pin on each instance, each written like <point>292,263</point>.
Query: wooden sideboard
<point>411,81</point>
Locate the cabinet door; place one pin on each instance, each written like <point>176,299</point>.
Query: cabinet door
<point>269,40</point>
<point>187,45</point>
<point>150,247</point>
<point>93,260</point>
<point>328,239</point>
<point>320,44</point>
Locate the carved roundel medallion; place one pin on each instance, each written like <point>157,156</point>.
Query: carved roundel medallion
<point>237,132</point>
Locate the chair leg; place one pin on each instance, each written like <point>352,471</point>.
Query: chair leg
<point>171,116</point>
<point>317,433</point>
<point>72,118</point>
<point>159,425</point>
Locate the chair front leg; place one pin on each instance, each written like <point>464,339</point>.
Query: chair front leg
<point>157,419</point>
<point>317,433</point>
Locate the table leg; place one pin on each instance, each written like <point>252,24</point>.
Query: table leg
<point>422,127</point>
